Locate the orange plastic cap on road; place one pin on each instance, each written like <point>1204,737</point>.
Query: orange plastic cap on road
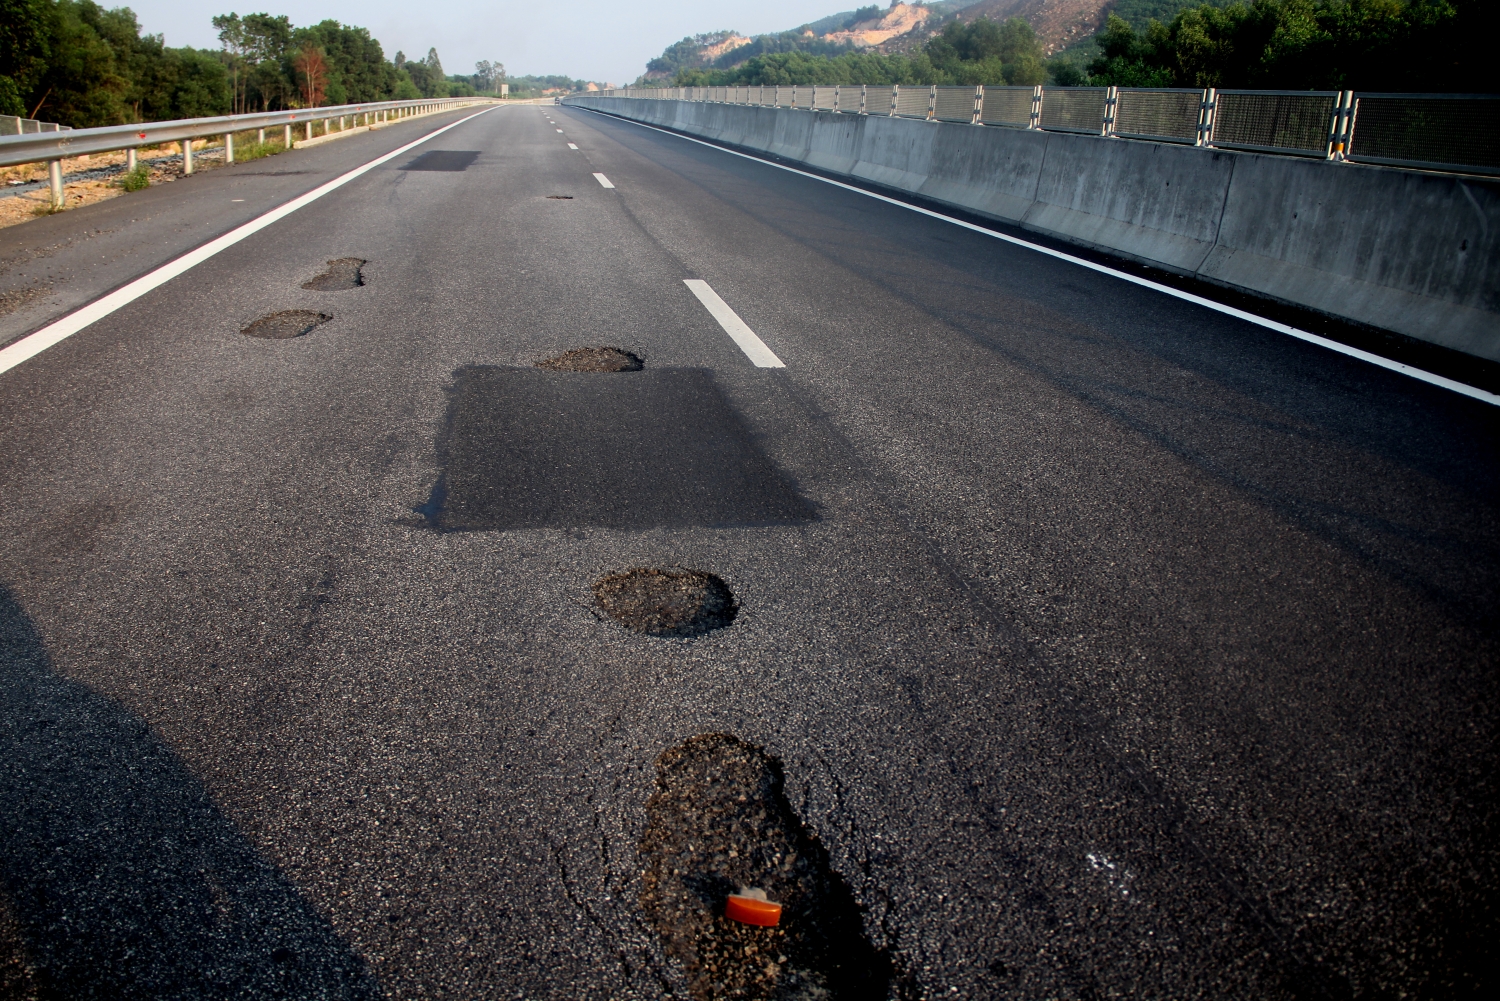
<point>752,908</point>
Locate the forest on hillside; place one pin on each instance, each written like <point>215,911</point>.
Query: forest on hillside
<point>76,63</point>
<point>1415,46</point>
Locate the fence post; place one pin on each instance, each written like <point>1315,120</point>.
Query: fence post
<point>228,148</point>
<point>1035,122</point>
<point>932,102</point>
<point>835,99</point>
<point>1206,118</point>
<point>1339,129</point>
<point>864,97</point>
<point>895,96</point>
<point>187,156</point>
<point>1111,103</point>
<point>978,104</point>
<point>54,184</point>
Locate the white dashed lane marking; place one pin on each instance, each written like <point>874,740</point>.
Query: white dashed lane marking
<point>755,349</point>
<point>571,146</point>
<point>603,181</point>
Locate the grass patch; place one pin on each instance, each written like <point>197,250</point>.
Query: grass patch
<point>255,150</point>
<point>135,180</point>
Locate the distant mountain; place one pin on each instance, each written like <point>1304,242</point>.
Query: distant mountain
<point>904,27</point>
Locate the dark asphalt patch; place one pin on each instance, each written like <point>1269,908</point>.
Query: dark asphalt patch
<point>287,323</point>
<point>443,159</point>
<point>670,602</point>
<point>594,360</point>
<point>718,821</point>
<point>526,448</point>
<point>341,275</point>
<point>561,198</point>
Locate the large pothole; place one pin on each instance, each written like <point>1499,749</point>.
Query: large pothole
<point>718,822</point>
<point>666,602</point>
<point>593,360</point>
<point>287,323</point>
<point>342,274</point>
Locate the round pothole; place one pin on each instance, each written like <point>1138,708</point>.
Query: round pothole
<point>594,360</point>
<point>666,602</point>
<point>287,323</point>
<point>342,274</point>
<point>718,823</point>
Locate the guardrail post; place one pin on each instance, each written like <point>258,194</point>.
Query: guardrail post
<point>187,156</point>
<point>1035,122</point>
<point>309,129</point>
<point>1206,118</point>
<point>228,148</point>
<point>895,96</point>
<point>260,137</point>
<point>130,161</point>
<point>1111,102</point>
<point>286,139</point>
<point>932,103</point>
<point>978,104</point>
<point>54,184</point>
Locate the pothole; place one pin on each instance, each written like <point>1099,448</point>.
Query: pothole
<point>594,360</point>
<point>561,198</point>
<point>719,822</point>
<point>287,323</point>
<point>342,274</point>
<point>666,602</point>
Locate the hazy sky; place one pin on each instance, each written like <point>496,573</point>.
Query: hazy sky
<point>591,39</point>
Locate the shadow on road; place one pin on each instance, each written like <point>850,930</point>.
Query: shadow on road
<point>119,877</point>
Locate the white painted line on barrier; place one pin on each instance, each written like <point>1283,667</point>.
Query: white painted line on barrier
<point>755,349</point>
<point>60,330</point>
<point>1421,375</point>
<point>571,146</point>
<point>603,181</point>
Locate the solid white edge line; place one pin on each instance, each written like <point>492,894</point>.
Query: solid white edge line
<point>1431,378</point>
<point>755,349</point>
<point>57,331</point>
<point>604,182</point>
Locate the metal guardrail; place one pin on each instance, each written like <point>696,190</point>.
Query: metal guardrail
<point>1456,132</point>
<point>54,147</point>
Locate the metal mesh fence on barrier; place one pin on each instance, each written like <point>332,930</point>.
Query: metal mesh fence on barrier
<point>1275,121</point>
<point>1076,109</point>
<point>1007,106</point>
<point>911,102</point>
<point>955,104</point>
<point>1428,131</point>
<point>1171,115</point>
<point>823,98</point>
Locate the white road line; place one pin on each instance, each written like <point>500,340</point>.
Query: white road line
<point>1431,378</point>
<point>559,131</point>
<point>603,181</point>
<point>755,349</point>
<point>571,146</point>
<point>59,330</point>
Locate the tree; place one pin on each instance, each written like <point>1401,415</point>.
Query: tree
<point>312,75</point>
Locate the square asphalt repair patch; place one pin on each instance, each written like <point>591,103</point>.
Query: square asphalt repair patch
<point>528,448</point>
<point>443,159</point>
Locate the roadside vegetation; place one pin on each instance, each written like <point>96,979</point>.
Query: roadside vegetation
<point>1395,45</point>
<point>79,64</point>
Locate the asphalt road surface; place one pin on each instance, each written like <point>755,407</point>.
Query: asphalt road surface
<point>1106,645</point>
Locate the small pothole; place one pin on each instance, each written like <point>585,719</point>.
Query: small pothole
<point>720,821</point>
<point>561,198</point>
<point>594,360</point>
<point>666,602</point>
<point>342,274</point>
<point>287,323</point>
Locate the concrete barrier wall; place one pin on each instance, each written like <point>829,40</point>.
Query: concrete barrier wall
<point>1416,253</point>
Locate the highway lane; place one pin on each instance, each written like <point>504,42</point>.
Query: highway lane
<point>1118,647</point>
